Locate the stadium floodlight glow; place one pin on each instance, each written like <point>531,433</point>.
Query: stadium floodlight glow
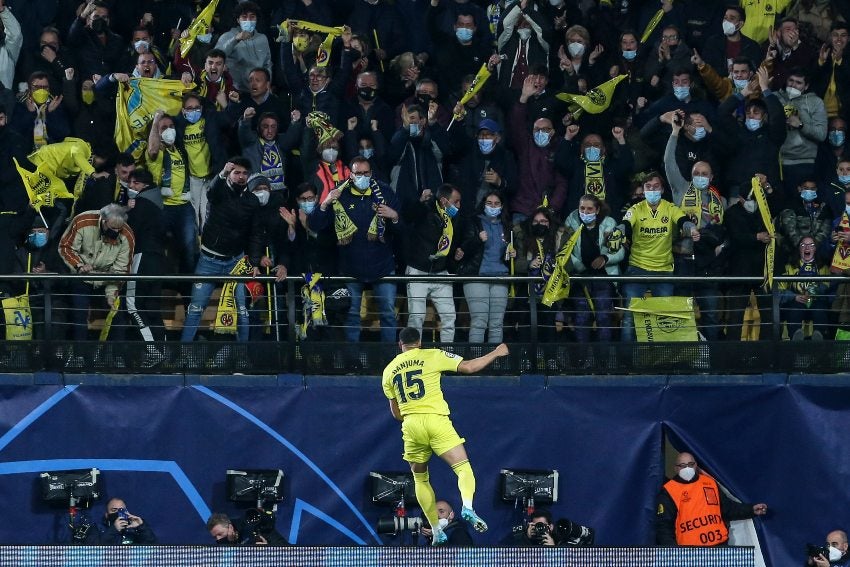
<point>536,485</point>
<point>258,486</point>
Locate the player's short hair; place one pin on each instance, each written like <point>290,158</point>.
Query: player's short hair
<point>409,336</point>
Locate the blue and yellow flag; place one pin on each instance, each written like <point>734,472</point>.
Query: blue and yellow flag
<point>135,105</point>
<point>55,163</point>
<point>595,101</point>
<point>323,55</point>
<point>199,26</point>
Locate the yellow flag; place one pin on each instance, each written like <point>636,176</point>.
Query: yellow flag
<point>595,101</point>
<point>650,27</point>
<point>558,286</point>
<point>42,187</point>
<point>18,318</point>
<point>664,319</point>
<point>107,324</point>
<point>476,84</point>
<point>323,54</point>
<point>199,26</point>
<point>135,105</point>
<point>767,219</point>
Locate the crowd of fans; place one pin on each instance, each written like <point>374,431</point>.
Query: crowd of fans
<point>361,157</point>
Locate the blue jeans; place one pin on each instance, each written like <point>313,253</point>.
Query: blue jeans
<point>384,294</point>
<point>201,292</point>
<point>180,221</point>
<point>635,290</point>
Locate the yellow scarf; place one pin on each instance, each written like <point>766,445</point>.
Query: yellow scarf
<point>770,253</point>
<point>692,206</point>
<point>227,314</point>
<point>594,180</point>
<point>313,304</point>
<point>841,257</point>
<point>445,241</point>
<point>345,227</point>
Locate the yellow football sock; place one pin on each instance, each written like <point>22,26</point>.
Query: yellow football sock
<point>426,497</point>
<point>465,482</point>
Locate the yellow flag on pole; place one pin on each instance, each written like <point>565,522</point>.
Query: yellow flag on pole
<point>323,55</point>
<point>199,26</point>
<point>595,101</point>
<point>135,105</point>
<point>664,319</point>
<point>558,286</point>
<point>650,27</point>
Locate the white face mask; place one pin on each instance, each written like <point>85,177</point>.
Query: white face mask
<point>729,28</point>
<point>834,554</point>
<point>576,49</point>
<point>524,33</point>
<point>263,196</point>
<point>329,155</point>
<point>169,135</point>
<point>751,205</point>
<point>687,474</point>
<point>793,92</point>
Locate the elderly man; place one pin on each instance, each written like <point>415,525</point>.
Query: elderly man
<point>836,541</point>
<point>692,510</point>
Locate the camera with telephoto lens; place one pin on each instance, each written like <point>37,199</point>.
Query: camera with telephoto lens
<point>394,525</point>
<point>813,550</point>
<point>255,524</point>
<point>571,534</point>
<point>539,530</point>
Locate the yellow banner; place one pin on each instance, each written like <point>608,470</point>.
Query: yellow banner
<point>770,253</point>
<point>650,27</point>
<point>200,25</point>
<point>475,86</point>
<point>42,186</point>
<point>135,105</point>
<point>841,257</point>
<point>595,101</point>
<point>558,286</point>
<point>227,314</point>
<point>18,318</point>
<point>664,319</point>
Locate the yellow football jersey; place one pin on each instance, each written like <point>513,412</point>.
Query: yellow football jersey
<point>413,379</point>
<point>653,233</point>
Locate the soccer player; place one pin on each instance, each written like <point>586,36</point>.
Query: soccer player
<point>412,384</point>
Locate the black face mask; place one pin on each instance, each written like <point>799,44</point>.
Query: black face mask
<point>110,233</point>
<point>539,230</point>
<point>110,518</point>
<point>366,93</point>
<point>424,100</point>
<point>99,25</point>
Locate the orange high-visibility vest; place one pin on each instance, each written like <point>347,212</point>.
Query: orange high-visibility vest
<point>698,521</point>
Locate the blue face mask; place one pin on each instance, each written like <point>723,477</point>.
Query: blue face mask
<point>367,152</point>
<point>592,153</point>
<point>541,139</point>
<point>699,133</point>
<point>740,83</point>
<point>248,25</point>
<point>752,124</point>
<point>204,37</point>
<point>629,55</point>
<point>681,93</point>
<point>486,146</point>
<point>463,35</point>
<point>37,239</point>
<point>808,195</point>
<point>362,182</point>
<point>652,197</point>
<point>307,206</point>
<point>451,210</point>
<point>192,116</point>
<point>413,129</point>
<point>492,212</point>
<point>836,138</point>
<point>700,181</point>
<point>844,179</point>
<point>847,209</point>
<point>587,218</point>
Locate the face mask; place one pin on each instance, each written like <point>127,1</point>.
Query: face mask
<point>366,93</point>
<point>687,474</point>
<point>808,195</point>
<point>413,129</point>
<point>555,2</point>
<point>729,28</point>
<point>204,37</point>
<point>362,181</point>
<point>681,93</point>
<point>699,133</point>
<point>844,179</point>
<point>248,25</point>
<point>169,135</point>
<point>110,233</point>
<point>792,92</point>
<point>652,197</point>
<point>587,218</point>
<point>752,124</point>
<point>141,46</point>
<point>847,209</point>
<point>329,155</point>
<point>110,518</point>
<point>451,210</point>
<point>367,153</point>
<point>592,153</point>
<point>88,97</point>
<point>629,54</point>
<point>700,181</point>
<point>539,230</point>
<point>576,49</point>
<point>464,35</point>
<point>834,554</point>
<point>751,205</point>
<point>40,96</point>
<point>132,194</point>
<point>836,138</point>
<point>99,25</point>
<point>486,146</point>
<point>740,83</point>
<point>263,197</point>
<point>541,139</point>
<point>192,116</point>
<point>37,239</point>
<point>492,212</point>
<point>524,33</point>
<point>307,206</point>
<point>423,100</point>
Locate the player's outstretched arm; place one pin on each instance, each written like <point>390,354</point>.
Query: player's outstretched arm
<point>482,362</point>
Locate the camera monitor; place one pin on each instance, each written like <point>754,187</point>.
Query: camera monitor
<point>62,486</point>
<point>258,485</point>
<point>541,485</point>
<point>388,488</point>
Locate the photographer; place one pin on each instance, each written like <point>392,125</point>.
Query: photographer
<point>121,528</point>
<point>833,554</point>
<point>458,535</point>
<point>539,532</point>
<point>249,530</point>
